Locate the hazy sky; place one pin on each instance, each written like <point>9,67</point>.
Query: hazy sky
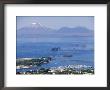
<point>56,22</point>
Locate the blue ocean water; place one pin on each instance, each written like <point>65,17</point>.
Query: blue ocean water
<point>82,52</point>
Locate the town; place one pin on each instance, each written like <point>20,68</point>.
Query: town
<point>31,66</point>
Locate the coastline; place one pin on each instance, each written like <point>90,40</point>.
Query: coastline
<point>34,66</point>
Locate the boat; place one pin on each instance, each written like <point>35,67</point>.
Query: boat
<point>67,55</point>
<point>55,49</point>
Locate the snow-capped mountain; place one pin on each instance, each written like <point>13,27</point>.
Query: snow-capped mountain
<point>38,30</point>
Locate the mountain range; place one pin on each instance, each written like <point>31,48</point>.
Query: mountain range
<point>42,31</point>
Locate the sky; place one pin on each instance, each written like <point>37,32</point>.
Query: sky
<point>56,22</point>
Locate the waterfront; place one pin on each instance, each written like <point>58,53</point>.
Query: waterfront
<point>42,49</point>
<point>33,66</point>
<point>46,58</point>
<point>61,61</point>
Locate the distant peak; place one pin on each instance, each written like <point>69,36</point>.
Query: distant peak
<point>36,24</point>
<point>33,23</point>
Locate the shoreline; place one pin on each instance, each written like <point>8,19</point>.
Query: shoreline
<point>34,66</point>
